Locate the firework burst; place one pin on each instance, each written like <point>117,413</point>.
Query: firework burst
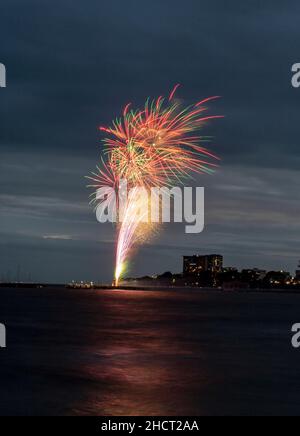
<point>153,147</point>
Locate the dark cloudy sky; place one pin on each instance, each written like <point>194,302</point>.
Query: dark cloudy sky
<point>72,65</point>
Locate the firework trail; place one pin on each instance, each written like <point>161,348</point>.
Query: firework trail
<point>153,147</point>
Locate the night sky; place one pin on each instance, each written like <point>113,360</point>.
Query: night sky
<point>72,65</point>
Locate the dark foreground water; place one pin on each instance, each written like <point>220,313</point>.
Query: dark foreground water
<point>148,353</point>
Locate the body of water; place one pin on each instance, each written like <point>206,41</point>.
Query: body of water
<point>148,353</point>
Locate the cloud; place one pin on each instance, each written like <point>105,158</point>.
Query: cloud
<point>59,237</point>
<point>73,67</point>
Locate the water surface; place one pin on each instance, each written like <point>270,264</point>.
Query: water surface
<point>148,353</point>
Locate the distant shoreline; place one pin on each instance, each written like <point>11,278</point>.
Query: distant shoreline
<point>145,288</point>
